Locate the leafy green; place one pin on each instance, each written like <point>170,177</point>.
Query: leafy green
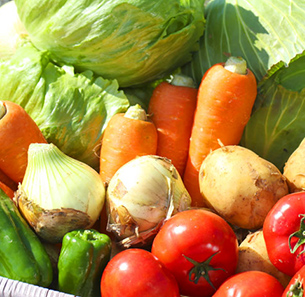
<point>276,126</point>
<point>71,109</point>
<point>132,41</point>
<point>263,32</point>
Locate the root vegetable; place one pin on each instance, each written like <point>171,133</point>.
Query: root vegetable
<point>294,169</point>
<point>253,256</point>
<point>240,186</point>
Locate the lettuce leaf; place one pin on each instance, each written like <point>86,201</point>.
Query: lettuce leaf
<point>71,109</point>
<point>131,41</point>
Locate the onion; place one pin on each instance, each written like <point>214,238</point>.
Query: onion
<point>58,194</point>
<point>141,195</point>
<point>12,31</point>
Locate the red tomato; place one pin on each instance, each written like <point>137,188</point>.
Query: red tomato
<point>284,233</point>
<point>199,248</point>
<point>250,284</point>
<point>296,286</point>
<point>135,272</point>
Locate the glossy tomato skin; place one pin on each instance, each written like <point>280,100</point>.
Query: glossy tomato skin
<point>283,220</point>
<point>250,284</point>
<point>136,272</point>
<point>197,234</point>
<point>296,286</point>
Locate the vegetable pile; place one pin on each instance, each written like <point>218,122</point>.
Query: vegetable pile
<point>153,148</point>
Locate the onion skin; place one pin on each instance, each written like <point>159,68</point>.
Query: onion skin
<point>141,195</point>
<point>51,225</point>
<point>58,193</point>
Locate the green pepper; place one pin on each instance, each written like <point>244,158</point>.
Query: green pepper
<point>83,256</point>
<point>22,254</point>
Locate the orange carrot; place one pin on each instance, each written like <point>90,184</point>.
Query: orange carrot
<point>172,108</point>
<point>17,131</point>
<point>4,179</point>
<point>225,100</point>
<point>7,190</point>
<point>126,136</point>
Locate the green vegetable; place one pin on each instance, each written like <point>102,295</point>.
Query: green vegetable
<point>276,127</point>
<point>133,41</point>
<point>22,255</point>
<point>71,109</point>
<point>264,32</point>
<point>82,259</point>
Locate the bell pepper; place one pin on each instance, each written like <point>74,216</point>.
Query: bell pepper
<point>284,233</point>
<point>83,256</point>
<point>23,256</point>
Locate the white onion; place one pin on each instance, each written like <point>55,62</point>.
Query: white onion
<point>59,194</point>
<point>141,195</point>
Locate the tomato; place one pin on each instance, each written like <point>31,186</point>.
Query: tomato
<point>284,233</point>
<point>199,248</point>
<point>136,272</point>
<point>296,286</point>
<point>250,284</point>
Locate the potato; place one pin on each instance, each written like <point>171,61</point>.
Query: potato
<point>294,169</point>
<point>253,256</point>
<point>240,186</point>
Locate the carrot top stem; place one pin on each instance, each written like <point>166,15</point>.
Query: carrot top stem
<point>2,110</point>
<point>182,81</point>
<point>236,65</point>
<point>136,112</point>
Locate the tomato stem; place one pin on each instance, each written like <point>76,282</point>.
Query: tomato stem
<point>201,269</point>
<point>299,234</point>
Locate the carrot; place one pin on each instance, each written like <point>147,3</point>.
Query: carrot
<point>7,190</point>
<point>17,131</point>
<point>225,100</point>
<point>4,179</point>
<point>171,107</point>
<point>126,136</point>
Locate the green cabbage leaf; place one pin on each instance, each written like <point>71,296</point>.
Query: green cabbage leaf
<point>132,41</point>
<point>71,109</point>
<point>263,32</point>
<point>276,127</point>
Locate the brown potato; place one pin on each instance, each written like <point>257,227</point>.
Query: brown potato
<point>240,186</point>
<point>294,169</point>
<point>253,256</point>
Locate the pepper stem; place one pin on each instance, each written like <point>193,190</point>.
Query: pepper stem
<point>201,269</point>
<point>296,289</point>
<point>299,234</point>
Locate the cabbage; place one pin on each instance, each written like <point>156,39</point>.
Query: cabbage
<point>263,32</point>
<point>71,109</point>
<point>276,127</point>
<point>132,41</point>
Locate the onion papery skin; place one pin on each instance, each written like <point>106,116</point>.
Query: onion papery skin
<point>141,195</point>
<point>58,193</point>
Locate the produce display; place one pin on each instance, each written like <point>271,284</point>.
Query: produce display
<point>152,148</point>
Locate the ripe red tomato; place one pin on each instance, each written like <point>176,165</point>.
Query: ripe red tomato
<point>284,233</point>
<point>136,272</point>
<point>250,284</point>
<point>199,248</point>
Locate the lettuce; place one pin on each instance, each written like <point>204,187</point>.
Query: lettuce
<point>132,41</point>
<point>71,109</point>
